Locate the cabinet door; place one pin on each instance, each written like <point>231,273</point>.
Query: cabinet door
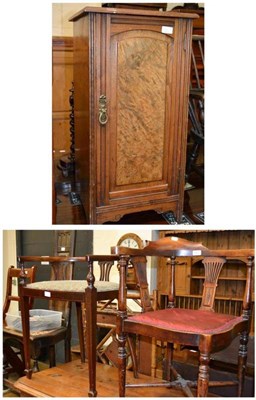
<point>141,128</point>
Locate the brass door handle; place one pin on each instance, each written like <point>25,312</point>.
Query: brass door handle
<point>103,114</point>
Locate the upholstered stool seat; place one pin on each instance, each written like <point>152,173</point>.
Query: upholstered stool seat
<point>187,321</point>
<point>72,286</point>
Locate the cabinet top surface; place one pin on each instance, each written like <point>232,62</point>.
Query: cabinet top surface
<point>122,11</point>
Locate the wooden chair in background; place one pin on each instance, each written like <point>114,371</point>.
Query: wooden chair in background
<point>64,243</point>
<point>44,339</point>
<point>13,354</point>
<point>204,329</point>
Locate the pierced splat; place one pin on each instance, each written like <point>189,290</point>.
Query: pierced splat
<point>213,267</point>
<point>105,268</point>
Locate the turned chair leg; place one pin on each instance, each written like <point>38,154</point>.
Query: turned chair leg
<point>169,360</point>
<point>242,359</point>
<point>203,376</point>
<point>122,355</point>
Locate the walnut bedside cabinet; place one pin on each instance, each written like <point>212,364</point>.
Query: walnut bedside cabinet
<point>131,83</point>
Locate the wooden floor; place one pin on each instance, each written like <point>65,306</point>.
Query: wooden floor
<point>66,213</point>
<point>71,380</point>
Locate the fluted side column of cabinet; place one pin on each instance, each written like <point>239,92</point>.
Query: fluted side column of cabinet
<point>131,81</point>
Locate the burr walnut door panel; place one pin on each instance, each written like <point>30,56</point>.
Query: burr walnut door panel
<point>139,135</point>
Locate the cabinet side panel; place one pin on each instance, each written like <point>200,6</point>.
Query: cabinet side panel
<point>81,104</point>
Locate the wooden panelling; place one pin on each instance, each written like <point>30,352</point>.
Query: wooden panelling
<point>62,77</point>
<point>60,126</point>
<point>229,239</point>
<point>213,240</point>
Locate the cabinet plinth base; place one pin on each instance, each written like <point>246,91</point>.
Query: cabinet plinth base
<point>114,214</point>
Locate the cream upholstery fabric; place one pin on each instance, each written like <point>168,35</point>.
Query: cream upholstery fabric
<point>72,286</point>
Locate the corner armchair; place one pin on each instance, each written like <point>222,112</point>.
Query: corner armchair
<point>203,329</point>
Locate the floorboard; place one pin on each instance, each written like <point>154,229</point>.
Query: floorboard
<point>71,380</point>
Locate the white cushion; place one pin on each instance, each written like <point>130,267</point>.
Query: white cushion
<point>72,286</point>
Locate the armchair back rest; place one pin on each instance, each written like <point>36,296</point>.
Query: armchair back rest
<point>20,275</point>
<point>140,267</point>
<point>172,247</point>
<point>212,267</point>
